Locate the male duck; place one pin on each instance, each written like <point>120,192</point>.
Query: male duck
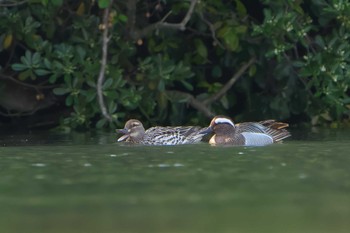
<point>135,133</point>
<point>247,133</point>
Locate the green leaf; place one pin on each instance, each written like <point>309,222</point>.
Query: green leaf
<point>81,52</point>
<point>47,63</point>
<point>107,84</point>
<point>44,2</point>
<point>18,67</point>
<point>298,64</point>
<point>201,48</point>
<point>161,85</point>
<point>60,91</point>
<point>241,29</point>
<point>91,83</point>
<point>111,94</point>
<point>241,10</point>
<point>36,58</point>
<point>57,2</point>
<point>28,58</point>
<point>69,100</point>
<point>103,3</point>
<point>223,31</point>
<point>53,78</point>
<point>24,75</point>
<point>112,107</point>
<point>231,40</point>
<point>252,70</point>
<point>122,18</point>
<point>68,80</point>
<point>166,70</point>
<point>319,40</point>
<point>41,72</point>
<point>216,71</point>
<point>90,95</point>
<point>187,85</point>
<point>101,123</point>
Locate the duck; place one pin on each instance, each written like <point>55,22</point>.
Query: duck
<point>135,133</point>
<point>262,133</point>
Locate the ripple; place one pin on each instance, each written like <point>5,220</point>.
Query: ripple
<point>165,165</point>
<point>119,155</point>
<point>178,165</point>
<point>302,176</point>
<point>39,165</point>
<point>39,176</point>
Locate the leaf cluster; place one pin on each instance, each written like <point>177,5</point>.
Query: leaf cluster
<point>301,48</point>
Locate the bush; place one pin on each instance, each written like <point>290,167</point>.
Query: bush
<point>293,58</point>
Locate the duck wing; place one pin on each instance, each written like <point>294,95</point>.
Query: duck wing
<point>253,127</point>
<point>274,129</point>
<point>257,139</point>
<point>173,135</point>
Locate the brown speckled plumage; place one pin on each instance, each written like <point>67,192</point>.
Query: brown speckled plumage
<point>135,133</point>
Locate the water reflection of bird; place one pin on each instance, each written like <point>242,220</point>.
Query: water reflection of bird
<point>135,133</point>
<point>247,133</point>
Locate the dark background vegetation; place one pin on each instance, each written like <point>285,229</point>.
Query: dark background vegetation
<point>87,64</point>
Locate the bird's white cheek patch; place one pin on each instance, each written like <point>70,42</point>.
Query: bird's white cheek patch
<point>134,134</point>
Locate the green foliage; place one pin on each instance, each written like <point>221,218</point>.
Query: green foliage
<point>301,49</point>
<point>312,52</point>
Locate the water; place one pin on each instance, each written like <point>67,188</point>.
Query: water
<point>87,183</point>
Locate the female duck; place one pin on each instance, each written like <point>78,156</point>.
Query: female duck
<point>247,133</point>
<point>135,133</point>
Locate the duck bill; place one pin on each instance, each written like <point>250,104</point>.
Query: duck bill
<point>123,131</point>
<point>125,136</point>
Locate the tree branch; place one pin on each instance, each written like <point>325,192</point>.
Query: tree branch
<point>204,106</point>
<point>12,3</point>
<point>131,14</point>
<point>230,83</point>
<point>191,100</point>
<point>212,30</point>
<point>36,87</point>
<point>101,76</point>
<point>137,34</point>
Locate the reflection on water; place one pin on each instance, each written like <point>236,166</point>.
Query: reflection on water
<point>88,183</point>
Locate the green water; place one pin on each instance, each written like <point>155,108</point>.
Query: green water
<point>88,183</point>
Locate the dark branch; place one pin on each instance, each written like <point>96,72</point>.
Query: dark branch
<point>212,30</point>
<point>191,100</point>
<point>36,87</point>
<point>12,3</point>
<point>230,83</point>
<point>101,76</point>
<point>137,34</point>
<point>204,106</point>
<point>131,13</point>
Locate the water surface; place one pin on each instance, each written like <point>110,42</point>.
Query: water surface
<point>89,183</point>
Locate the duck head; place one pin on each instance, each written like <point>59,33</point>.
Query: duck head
<point>222,125</point>
<point>223,128</point>
<point>133,131</point>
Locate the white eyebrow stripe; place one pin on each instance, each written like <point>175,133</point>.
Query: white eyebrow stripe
<point>223,121</point>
